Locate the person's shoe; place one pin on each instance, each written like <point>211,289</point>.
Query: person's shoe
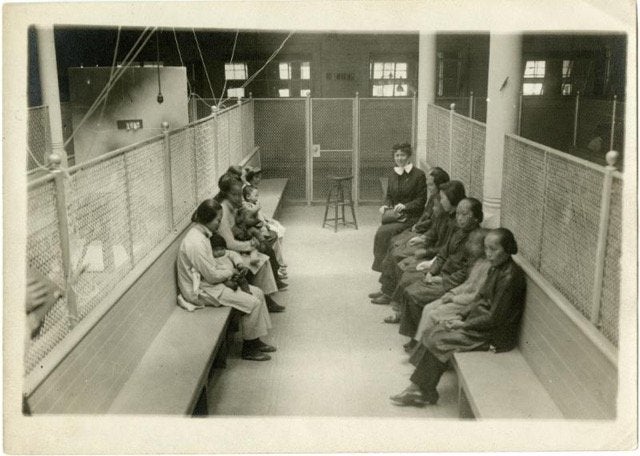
<point>384,299</point>
<point>282,276</point>
<point>281,285</point>
<point>375,295</point>
<point>265,348</point>
<point>274,307</point>
<point>409,346</point>
<point>255,355</point>
<point>392,319</point>
<point>409,398</point>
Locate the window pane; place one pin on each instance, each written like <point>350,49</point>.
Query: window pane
<point>305,70</point>
<point>388,70</point>
<point>387,90</point>
<point>401,90</point>
<point>566,89</point>
<point>567,65</point>
<point>305,92</point>
<point>377,70</point>
<point>401,66</point>
<point>235,93</point>
<point>235,71</point>
<point>532,88</point>
<point>401,74</point>
<point>283,92</point>
<point>534,69</point>
<point>285,71</point>
<point>377,90</point>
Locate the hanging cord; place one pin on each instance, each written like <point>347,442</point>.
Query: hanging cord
<point>253,76</point>
<point>233,51</point>
<point>111,83</point>
<point>175,37</point>
<point>160,97</point>
<point>204,66</point>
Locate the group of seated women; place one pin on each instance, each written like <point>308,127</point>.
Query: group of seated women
<point>452,285</point>
<point>233,256</point>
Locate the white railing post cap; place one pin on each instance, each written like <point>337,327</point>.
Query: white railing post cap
<point>452,106</point>
<point>612,158</point>
<point>165,126</point>
<point>54,161</point>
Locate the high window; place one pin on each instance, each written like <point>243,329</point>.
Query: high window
<point>235,93</point>
<point>533,80</point>
<point>285,70</point>
<point>235,71</point>
<point>388,79</point>
<point>283,93</point>
<point>305,70</point>
<point>567,70</point>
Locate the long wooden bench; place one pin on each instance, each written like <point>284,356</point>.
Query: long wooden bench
<point>146,355</point>
<point>563,367</point>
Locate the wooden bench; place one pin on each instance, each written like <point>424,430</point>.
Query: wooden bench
<point>146,355</point>
<point>563,367</point>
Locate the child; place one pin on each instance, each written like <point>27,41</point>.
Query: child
<point>227,257</point>
<point>253,176</point>
<point>247,228</point>
<point>457,299</point>
<point>250,194</point>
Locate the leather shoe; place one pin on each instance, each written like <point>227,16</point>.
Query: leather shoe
<point>281,285</point>
<point>375,295</point>
<point>255,355</point>
<point>274,307</point>
<point>392,319</point>
<point>409,346</point>
<point>265,348</point>
<point>384,299</point>
<point>413,399</point>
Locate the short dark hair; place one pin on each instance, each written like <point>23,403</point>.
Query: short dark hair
<point>507,240</point>
<point>476,208</point>
<point>251,173</point>
<point>439,175</point>
<point>206,211</point>
<point>217,241</point>
<point>225,184</point>
<point>404,147</point>
<point>235,170</point>
<point>246,191</point>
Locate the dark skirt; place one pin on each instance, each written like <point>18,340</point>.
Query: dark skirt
<point>383,239</point>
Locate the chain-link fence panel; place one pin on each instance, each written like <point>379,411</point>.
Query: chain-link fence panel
<point>148,210</point>
<point>477,145</point>
<point>224,155</point>
<point>183,174</point>
<point>610,301</point>
<point>247,128</point>
<point>548,121</point>
<point>206,171</point>
<point>432,135</point>
<point>383,123</point>
<point>235,135</point>
<point>523,186</point>
<point>38,137</point>
<point>461,151</point>
<point>461,104</point>
<point>443,140</point>
<point>570,229</point>
<point>45,256</point>
<point>100,233</point>
<point>332,129</point>
<point>280,132</point>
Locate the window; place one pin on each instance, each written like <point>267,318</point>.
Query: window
<point>389,79</point>
<point>305,70</point>
<point>533,81</point>
<point>235,93</point>
<point>235,71</point>
<point>285,70</point>
<point>567,70</point>
<point>305,92</point>
<point>283,93</point>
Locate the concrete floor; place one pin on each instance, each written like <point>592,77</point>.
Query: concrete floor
<point>335,355</point>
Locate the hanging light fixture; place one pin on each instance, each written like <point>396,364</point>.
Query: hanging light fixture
<point>160,98</point>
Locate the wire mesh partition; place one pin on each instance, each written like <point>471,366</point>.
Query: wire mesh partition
<point>119,207</point>
<point>552,203</point>
<point>280,132</point>
<point>235,135</point>
<point>383,123</point>
<point>38,137</point>
<point>247,129</point>
<point>595,119</point>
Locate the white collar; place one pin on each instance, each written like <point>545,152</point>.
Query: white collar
<point>206,231</point>
<point>398,170</point>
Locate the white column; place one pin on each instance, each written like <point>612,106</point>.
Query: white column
<point>505,82</point>
<point>426,92</point>
<point>49,85</point>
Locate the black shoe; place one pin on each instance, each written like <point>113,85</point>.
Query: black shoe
<point>409,346</point>
<point>384,299</point>
<point>375,295</point>
<point>281,285</point>
<point>254,354</point>
<point>265,348</point>
<point>274,307</point>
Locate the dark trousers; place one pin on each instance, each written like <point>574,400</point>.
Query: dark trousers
<point>275,266</point>
<point>382,240</point>
<point>411,312</point>
<point>429,370</point>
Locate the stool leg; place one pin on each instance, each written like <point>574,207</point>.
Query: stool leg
<point>326,207</point>
<point>342,201</point>
<point>353,211</point>
<point>335,206</point>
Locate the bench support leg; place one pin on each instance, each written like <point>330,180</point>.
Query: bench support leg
<point>202,408</point>
<point>464,409</point>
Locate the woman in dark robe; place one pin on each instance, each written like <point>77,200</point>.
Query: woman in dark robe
<point>492,322</point>
<point>405,197</point>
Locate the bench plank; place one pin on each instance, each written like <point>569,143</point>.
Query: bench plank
<point>172,372</point>
<point>271,191</point>
<point>482,377</point>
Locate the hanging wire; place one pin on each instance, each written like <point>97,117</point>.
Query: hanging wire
<point>111,83</point>
<point>175,37</point>
<point>160,98</point>
<point>203,65</point>
<point>233,51</point>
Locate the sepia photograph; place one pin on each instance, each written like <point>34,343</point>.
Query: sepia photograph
<point>313,227</point>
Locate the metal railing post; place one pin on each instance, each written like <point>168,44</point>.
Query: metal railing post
<point>168,189</point>
<point>519,114</point>
<point>414,123</point>
<point>613,121</point>
<point>309,160</point>
<point>453,107</point>
<point>575,120</point>
<point>239,108</point>
<point>471,104</point>
<point>63,229</point>
<point>603,227</point>
<point>127,192</point>
<point>355,189</point>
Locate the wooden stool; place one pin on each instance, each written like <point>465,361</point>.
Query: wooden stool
<point>340,185</point>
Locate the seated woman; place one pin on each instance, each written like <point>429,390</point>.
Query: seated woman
<point>403,204</point>
<point>230,198</point>
<point>459,298</point>
<point>448,270</point>
<point>396,276</point>
<point>491,322</point>
<point>201,280</point>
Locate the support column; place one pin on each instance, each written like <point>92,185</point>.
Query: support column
<point>49,85</point>
<point>505,80</point>
<point>426,92</point>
